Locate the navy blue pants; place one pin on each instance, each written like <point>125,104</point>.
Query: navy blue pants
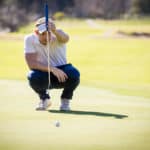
<point>38,81</point>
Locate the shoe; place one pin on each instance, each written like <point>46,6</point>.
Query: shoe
<point>65,105</point>
<point>44,104</point>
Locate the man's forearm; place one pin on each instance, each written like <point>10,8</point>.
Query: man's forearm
<point>61,76</point>
<point>38,66</point>
<point>34,64</point>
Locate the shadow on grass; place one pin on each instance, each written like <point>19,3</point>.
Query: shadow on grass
<point>89,113</point>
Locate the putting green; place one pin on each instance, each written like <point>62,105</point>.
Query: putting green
<point>100,120</point>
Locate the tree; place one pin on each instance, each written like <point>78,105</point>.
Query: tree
<point>141,6</point>
<point>101,8</point>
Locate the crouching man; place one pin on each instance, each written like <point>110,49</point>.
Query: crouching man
<point>39,56</point>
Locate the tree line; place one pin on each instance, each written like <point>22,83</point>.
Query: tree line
<point>15,13</point>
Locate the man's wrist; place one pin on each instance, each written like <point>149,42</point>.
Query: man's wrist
<point>52,69</point>
<point>56,32</point>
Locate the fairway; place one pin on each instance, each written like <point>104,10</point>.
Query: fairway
<point>100,120</point>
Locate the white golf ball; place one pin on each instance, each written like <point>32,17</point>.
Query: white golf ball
<point>57,124</point>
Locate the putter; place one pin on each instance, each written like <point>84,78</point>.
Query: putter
<point>48,40</point>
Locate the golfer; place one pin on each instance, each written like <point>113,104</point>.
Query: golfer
<point>62,74</point>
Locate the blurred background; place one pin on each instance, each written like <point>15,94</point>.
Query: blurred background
<point>15,13</point>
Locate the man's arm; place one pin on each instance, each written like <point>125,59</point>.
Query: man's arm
<point>61,35</point>
<point>31,59</point>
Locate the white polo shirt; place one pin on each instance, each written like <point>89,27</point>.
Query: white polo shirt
<point>57,51</point>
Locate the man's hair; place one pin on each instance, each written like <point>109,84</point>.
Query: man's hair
<point>41,21</point>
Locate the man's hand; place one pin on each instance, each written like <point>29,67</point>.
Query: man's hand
<point>60,35</point>
<point>61,76</point>
<point>52,27</point>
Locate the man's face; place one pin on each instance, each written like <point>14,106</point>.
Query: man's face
<point>43,37</point>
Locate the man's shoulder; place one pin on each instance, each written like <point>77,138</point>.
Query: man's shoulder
<point>31,36</point>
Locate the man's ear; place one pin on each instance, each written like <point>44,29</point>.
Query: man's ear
<point>36,32</point>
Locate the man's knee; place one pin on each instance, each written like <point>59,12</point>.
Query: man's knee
<point>38,83</point>
<point>73,73</point>
<point>76,81</point>
<point>35,78</point>
<point>74,77</point>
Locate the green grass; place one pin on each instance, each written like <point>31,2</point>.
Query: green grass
<point>119,64</point>
<point>100,121</point>
<point>12,63</point>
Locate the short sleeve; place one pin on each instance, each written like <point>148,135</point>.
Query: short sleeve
<point>29,45</point>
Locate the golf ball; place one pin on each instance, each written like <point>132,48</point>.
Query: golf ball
<point>57,124</point>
